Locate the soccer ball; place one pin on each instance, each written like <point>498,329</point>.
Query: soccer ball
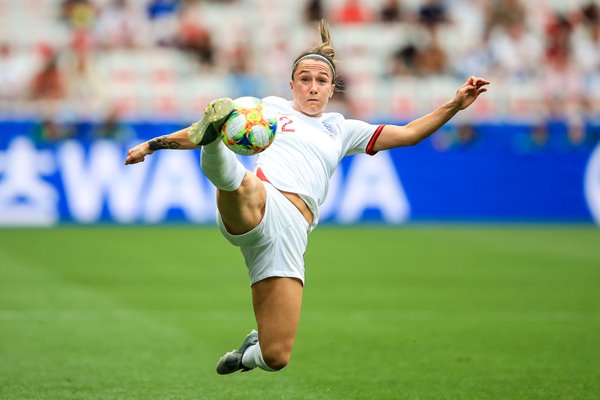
<point>250,128</point>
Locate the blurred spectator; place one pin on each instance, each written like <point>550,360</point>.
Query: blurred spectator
<point>163,19</point>
<point>587,55</point>
<point>352,12</point>
<point>585,41</point>
<point>278,67</point>
<point>465,134</point>
<point>112,128</point>
<point>193,37</point>
<point>432,13</point>
<point>562,80</point>
<point>84,86</point>
<point>405,60</point>
<point>13,73</point>
<point>313,11</point>
<point>504,12</point>
<point>432,58</point>
<point>78,14</point>
<point>162,8</point>
<point>591,13</point>
<point>47,88</point>
<point>517,51</point>
<point>121,25</point>
<point>539,136</point>
<point>558,36</point>
<point>475,58</point>
<point>468,18</point>
<point>49,83</point>
<point>461,136</point>
<point>243,81</point>
<point>391,11</point>
<point>49,129</point>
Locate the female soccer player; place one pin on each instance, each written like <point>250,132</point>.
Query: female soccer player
<point>269,213</point>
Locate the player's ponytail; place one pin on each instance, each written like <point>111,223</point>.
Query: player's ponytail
<point>326,46</point>
<point>322,52</point>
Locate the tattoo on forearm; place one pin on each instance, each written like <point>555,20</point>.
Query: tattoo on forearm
<point>162,143</point>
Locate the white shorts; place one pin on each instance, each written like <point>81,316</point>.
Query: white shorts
<point>276,246</point>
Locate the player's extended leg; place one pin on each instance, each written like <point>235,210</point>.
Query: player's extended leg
<point>241,196</point>
<point>277,303</point>
<point>242,210</point>
<point>241,200</point>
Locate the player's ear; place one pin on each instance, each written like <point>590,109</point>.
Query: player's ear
<point>292,85</point>
<point>332,90</point>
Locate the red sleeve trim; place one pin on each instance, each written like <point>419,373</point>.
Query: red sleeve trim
<point>371,144</point>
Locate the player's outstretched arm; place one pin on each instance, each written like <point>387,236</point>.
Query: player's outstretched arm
<point>408,135</point>
<point>176,140</point>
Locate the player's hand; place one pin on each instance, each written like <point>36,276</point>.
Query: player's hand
<point>469,91</point>
<point>138,153</point>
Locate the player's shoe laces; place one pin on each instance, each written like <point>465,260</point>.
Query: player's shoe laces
<point>207,129</point>
<point>232,361</point>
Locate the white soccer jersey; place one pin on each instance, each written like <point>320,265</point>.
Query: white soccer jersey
<point>307,150</point>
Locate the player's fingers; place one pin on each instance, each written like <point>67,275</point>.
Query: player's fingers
<point>469,88</point>
<point>475,80</point>
<point>133,160</point>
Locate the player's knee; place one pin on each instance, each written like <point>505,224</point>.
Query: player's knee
<point>247,184</point>
<point>277,357</point>
<point>250,193</point>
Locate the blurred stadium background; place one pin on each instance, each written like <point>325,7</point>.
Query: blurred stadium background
<point>480,243</point>
<point>81,80</point>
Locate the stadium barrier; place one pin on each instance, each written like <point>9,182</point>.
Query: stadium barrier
<point>493,173</point>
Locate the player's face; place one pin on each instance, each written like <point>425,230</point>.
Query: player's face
<point>312,87</point>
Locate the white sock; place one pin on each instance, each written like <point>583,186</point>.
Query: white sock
<point>221,166</point>
<point>253,358</point>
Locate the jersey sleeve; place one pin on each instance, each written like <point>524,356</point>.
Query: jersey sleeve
<point>360,137</point>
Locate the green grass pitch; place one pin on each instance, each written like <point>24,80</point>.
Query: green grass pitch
<point>414,312</point>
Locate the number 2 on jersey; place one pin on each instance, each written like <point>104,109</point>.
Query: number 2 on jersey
<point>286,122</point>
